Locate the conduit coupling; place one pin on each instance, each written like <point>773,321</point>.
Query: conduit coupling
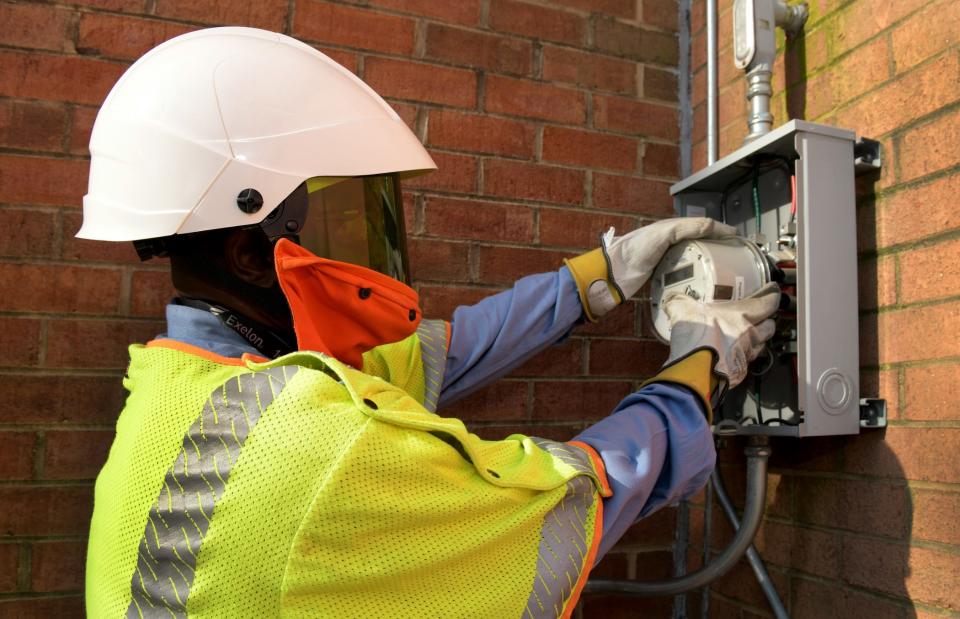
<point>759,91</point>
<point>757,452</point>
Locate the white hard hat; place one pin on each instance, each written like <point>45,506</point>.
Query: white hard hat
<point>205,117</point>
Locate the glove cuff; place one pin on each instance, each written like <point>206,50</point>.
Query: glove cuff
<point>591,273</point>
<point>695,371</point>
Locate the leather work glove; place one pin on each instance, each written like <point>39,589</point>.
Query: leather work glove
<point>614,272</point>
<point>712,343</point>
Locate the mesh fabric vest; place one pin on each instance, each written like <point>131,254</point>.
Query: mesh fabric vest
<point>303,487</point>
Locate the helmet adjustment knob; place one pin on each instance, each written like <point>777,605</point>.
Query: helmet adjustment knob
<point>250,200</point>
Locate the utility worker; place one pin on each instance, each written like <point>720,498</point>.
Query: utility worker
<point>279,453</point>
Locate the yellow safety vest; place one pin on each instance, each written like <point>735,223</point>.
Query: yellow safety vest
<point>304,487</point>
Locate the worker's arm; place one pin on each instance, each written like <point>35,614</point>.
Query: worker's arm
<point>489,339</point>
<point>499,333</point>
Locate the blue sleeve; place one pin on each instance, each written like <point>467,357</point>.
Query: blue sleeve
<point>489,339</point>
<point>657,449</point>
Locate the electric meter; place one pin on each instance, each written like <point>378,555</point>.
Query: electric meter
<point>708,270</point>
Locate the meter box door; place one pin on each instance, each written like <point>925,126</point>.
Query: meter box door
<point>791,193</point>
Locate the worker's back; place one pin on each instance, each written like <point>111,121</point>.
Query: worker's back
<point>304,487</point>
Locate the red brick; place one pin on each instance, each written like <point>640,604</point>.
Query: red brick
<point>617,8</point>
<point>35,26</point>
<point>929,148</point>
<point>594,71</point>
<point>353,27</point>
<point>268,14</point>
<point>480,134</point>
<point>61,399</point>
<point>455,173</point>
<point>441,301</point>
<point>636,117</point>
<point>408,113</point>
<point>120,36</point>
<point>926,33</point>
<point>854,75</point>
<point>912,96</point>
<point>438,260</point>
<point>877,278</point>
<point>740,584</point>
<point>917,573</point>
<point>504,400</point>
<point>469,219</point>
<point>628,193</point>
<point>461,12</point>
<point>515,97</point>
<point>28,233</point>
<point>9,561</point>
<point>620,39</point>
<point>505,265</point>
<point>656,530</point>
<point>476,49</point>
<point>47,288</point>
<point>815,599</point>
<point>42,608</point>
<point>884,384</point>
<point>931,392</point>
<point>57,566</point>
<point>539,22</point>
<point>32,125</point>
<point>532,182</point>
<point>613,565</point>
<point>80,129</point>
<point>914,213</point>
<point>47,510</point>
<point>934,516</point>
<point>621,322</point>
<point>75,454</point>
<point>38,180</point>
<point>95,343</point>
<point>579,229</point>
<point>57,78</point>
<point>19,341</point>
<point>562,360</point>
<point>661,160</point>
<point>927,273</point>
<point>570,400</point>
<point>877,507</point>
<point>917,333</point>
<point>663,14</point>
<point>347,60</point>
<point>633,358</point>
<point>858,21</point>
<point>150,293</point>
<point>589,149</point>
<point>421,82</point>
<point>16,458</point>
<point>94,251</point>
<point>659,84</point>
<point>922,454</point>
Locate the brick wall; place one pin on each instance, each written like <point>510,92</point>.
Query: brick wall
<point>865,526</point>
<point>549,121</point>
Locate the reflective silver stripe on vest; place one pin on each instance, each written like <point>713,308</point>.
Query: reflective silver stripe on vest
<point>179,519</point>
<point>433,345</point>
<point>563,550</point>
<point>568,454</point>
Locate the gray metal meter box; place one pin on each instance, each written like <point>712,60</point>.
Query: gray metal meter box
<point>792,193</point>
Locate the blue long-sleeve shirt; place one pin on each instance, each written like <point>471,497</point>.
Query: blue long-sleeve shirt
<point>656,446</point>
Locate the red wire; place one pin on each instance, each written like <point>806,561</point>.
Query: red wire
<point>793,195</point>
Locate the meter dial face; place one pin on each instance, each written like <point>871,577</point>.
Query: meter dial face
<point>707,270</point>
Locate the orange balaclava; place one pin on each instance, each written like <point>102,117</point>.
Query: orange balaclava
<point>343,309</point>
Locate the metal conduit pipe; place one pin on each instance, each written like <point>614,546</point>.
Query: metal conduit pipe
<point>757,452</point>
<point>773,598</point>
<point>713,134</point>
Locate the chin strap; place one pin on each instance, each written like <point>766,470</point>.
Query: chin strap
<point>261,337</point>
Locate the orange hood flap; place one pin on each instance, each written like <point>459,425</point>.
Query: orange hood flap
<point>343,309</point>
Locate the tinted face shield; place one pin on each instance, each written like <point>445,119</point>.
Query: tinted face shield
<point>357,220</point>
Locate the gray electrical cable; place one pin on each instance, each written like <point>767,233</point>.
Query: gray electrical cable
<point>756,562</point>
<point>757,452</point>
